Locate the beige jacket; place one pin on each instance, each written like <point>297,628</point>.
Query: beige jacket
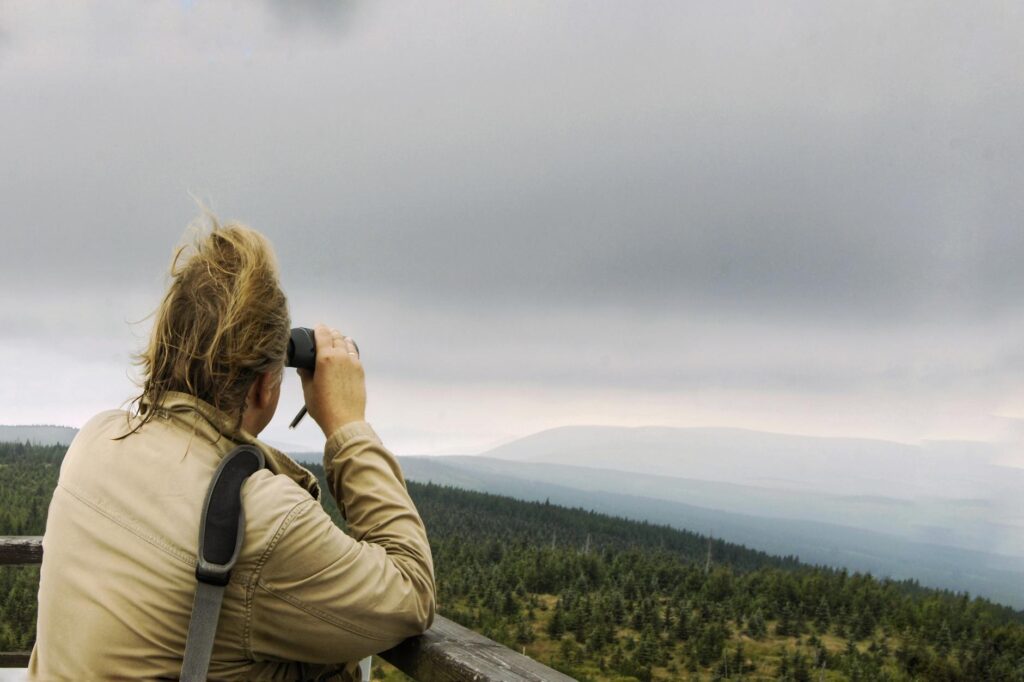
<point>119,555</point>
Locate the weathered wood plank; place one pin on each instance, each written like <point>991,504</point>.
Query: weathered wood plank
<point>448,652</point>
<point>20,550</point>
<point>14,659</point>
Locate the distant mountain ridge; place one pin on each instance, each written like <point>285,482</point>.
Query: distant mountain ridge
<point>843,466</point>
<point>815,542</point>
<point>40,434</point>
<point>970,524</point>
<point>943,512</point>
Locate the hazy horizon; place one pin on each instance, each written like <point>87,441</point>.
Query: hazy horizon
<point>796,218</point>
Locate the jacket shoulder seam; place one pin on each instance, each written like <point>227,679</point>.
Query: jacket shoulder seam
<point>131,528</point>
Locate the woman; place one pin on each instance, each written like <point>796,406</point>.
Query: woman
<point>118,573</point>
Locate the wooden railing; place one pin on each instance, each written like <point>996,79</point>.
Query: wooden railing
<point>447,652</point>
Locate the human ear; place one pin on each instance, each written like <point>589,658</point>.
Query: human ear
<point>259,392</point>
<point>266,382</point>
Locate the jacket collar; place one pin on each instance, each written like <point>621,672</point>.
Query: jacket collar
<point>219,429</point>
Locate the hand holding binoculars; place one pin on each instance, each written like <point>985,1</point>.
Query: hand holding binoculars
<point>302,355</point>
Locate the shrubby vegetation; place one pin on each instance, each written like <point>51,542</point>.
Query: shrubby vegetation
<point>603,598</point>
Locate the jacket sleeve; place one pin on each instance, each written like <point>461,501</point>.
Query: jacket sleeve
<point>324,596</point>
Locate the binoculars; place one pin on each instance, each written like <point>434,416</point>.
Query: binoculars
<point>302,354</point>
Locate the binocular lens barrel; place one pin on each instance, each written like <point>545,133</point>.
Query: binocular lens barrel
<point>302,349</point>
<point>302,354</point>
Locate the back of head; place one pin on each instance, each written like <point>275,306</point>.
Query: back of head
<point>223,321</point>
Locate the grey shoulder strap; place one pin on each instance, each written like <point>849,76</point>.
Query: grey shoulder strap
<point>221,530</point>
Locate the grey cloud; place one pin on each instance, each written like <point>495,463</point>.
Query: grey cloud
<point>608,348</point>
<point>828,192</point>
<point>329,17</point>
<point>799,174</point>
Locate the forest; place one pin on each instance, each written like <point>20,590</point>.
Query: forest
<point>605,598</point>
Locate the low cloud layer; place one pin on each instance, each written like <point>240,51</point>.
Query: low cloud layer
<point>792,217</point>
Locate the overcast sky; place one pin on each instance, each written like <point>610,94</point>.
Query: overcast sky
<point>796,217</point>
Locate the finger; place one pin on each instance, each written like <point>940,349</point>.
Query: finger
<point>353,349</point>
<point>337,338</point>
<point>322,336</point>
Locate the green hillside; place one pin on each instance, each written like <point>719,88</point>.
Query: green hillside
<point>604,598</point>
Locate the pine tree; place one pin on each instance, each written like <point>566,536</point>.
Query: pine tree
<point>757,628</point>
<point>944,644</point>
<point>524,633</point>
<point>647,651</point>
<point>556,626</point>
<point>739,660</point>
<point>822,616</point>
<point>682,627</point>
<point>784,628</point>
<point>800,672</point>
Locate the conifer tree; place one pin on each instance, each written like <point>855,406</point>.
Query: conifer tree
<point>556,626</point>
<point>822,615</point>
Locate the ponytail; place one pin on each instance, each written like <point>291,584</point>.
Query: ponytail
<point>223,321</point>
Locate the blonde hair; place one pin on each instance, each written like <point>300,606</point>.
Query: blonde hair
<point>223,321</point>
